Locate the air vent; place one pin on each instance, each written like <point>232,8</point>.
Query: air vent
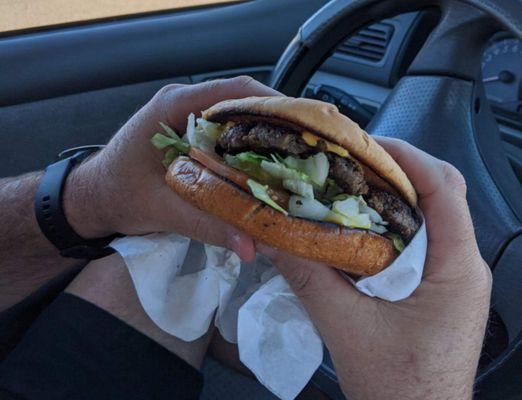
<point>368,44</point>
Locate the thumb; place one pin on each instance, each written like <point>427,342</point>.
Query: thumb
<point>321,289</point>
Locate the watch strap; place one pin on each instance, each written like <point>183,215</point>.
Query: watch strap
<point>51,217</point>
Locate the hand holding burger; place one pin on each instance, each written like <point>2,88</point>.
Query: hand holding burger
<point>122,188</point>
<point>297,175</point>
<point>428,345</point>
<point>424,347</point>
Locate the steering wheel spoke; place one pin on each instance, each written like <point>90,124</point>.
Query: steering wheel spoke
<point>456,45</point>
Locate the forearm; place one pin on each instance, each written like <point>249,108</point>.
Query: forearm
<point>27,258</point>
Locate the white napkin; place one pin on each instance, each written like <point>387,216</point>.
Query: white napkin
<point>403,276</point>
<point>183,285</point>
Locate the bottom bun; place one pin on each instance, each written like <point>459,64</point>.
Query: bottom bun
<point>354,251</point>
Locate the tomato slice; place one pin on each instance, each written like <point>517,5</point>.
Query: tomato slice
<point>218,166</point>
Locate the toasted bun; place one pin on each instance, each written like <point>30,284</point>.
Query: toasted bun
<point>322,119</point>
<point>354,251</point>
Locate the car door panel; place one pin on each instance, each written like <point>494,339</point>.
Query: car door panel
<point>73,86</point>
<point>32,134</point>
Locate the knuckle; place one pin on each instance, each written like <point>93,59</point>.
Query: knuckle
<point>199,228</point>
<point>404,147</point>
<point>242,80</point>
<point>400,142</point>
<point>453,178</point>
<point>302,281</point>
<point>166,91</point>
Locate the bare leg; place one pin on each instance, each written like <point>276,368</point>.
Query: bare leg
<point>107,284</point>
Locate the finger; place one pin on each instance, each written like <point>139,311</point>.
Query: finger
<point>434,180</point>
<point>427,173</point>
<point>188,220</point>
<point>442,197</point>
<point>319,287</point>
<point>242,244</point>
<point>209,229</point>
<point>179,101</point>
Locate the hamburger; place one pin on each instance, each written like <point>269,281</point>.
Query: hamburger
<point>297,175</point>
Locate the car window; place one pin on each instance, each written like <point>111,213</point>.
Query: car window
<point>18,15</point>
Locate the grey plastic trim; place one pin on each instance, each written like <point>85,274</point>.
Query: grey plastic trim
<point>365,92</point>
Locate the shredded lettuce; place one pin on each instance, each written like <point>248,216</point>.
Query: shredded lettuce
<point>211,129</point>
<point>171,132</point>
<point>252,168</point>
<point>361,221</point>
<point>358,214</point>
<point>175,145</point>
<point>251,157</point>
<point>192,137</point>
<point>260,192</point>
<point>341,197</point>
<point>331,190</point>
<point>378,228</point>
<point>316,167</point>
<point>299,187</point>
<point>398,243</point>
<point>170,156</point>
<point>347,211</point>
<point>161,141</point>
<point>281,171</point>
<point>348,207</point>
<point>277,158</point>
<point>374,215</point>
<point>302,207</point>
<point>202,134</point>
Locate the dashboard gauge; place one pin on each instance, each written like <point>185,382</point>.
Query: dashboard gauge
<point>502,74</point>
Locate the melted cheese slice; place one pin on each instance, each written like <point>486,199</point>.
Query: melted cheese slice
<point>311,140</point>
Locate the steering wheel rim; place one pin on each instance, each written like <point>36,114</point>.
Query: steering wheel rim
<point>438,95</point>
<point>323,31</point>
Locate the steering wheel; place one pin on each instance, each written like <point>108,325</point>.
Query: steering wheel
<point>440,107</point>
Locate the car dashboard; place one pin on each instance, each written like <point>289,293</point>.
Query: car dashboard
<point>83,93</point>
<point>363,69</point>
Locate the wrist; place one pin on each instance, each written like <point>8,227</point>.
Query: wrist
<point>83,202</point>
<point>413,378</point>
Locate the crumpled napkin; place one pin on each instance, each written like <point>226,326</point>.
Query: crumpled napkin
<point>184,286</point>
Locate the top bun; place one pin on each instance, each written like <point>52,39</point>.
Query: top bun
<point>325,120</point>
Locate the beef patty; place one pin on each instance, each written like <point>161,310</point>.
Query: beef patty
<point>392,209</point>
<point>348,173</point>
<point>263,138</point>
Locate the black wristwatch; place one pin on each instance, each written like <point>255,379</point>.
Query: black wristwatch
<point>50,214</point>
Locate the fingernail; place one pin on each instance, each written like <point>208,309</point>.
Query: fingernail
<point>234,242</point>
<point>239,244</point>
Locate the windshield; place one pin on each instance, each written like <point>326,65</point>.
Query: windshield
<point>27,14</point>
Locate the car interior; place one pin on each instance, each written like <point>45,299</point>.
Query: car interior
<point>444,75</point>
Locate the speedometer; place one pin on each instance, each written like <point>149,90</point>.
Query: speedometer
<point>502,74</point>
